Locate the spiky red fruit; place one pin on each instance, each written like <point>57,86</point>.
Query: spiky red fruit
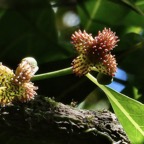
<point>95,53</point>
<point>82,41</point>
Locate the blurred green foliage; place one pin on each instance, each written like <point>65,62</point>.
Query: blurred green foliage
<point>40,28</point>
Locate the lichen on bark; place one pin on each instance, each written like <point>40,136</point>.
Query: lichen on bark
<point>55,122</point>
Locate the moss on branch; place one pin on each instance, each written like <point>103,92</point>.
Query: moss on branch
<point>53,122</point>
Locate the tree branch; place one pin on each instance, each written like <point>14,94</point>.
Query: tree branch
<point>53,122</point>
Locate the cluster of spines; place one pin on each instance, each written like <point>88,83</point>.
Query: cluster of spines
<point>107,39</point>
<point>95,52</point>
<point>82,41</point>
<point>17,86</point>
<point>25,70</point>
<point>81,66</point>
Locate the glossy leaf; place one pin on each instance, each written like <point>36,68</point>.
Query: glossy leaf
<point>129,112</point>
<point>97,14</point>
<point>129,4</point>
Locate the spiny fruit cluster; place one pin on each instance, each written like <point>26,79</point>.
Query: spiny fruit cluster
<point>17,86</point>
<point>94,53</point>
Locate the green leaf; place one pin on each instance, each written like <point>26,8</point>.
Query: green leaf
<point>95,15</point>
<point>130,112</point>
<point>134,19</point>
<point>129,4</point>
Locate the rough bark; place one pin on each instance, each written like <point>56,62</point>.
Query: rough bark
<point>46,121</point>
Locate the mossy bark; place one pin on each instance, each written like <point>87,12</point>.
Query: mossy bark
<point>44,121</point>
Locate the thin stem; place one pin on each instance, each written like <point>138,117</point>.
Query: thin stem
<point>93,79</point>
<point>57,73</point>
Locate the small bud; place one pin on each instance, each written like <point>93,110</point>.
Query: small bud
<point>104,79</point>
